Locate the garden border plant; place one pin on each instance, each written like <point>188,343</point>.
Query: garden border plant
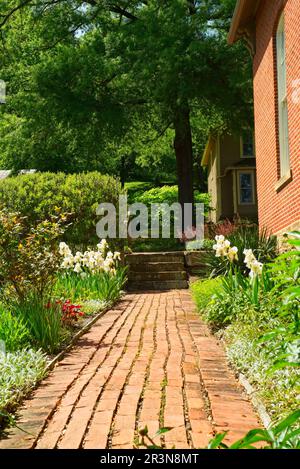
<point>258,318</point>
<point>35,311</point>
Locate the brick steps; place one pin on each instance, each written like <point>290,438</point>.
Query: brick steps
<point>174,256</point>
<point>159,276</point>
<point>157,266</point>
<point>157,271</point>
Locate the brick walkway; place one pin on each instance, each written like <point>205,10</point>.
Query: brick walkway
<point>149,361</point>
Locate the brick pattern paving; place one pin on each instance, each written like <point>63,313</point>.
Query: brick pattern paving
<point>149,361</point>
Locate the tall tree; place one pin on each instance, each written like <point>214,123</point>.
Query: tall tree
<point>116,65</point>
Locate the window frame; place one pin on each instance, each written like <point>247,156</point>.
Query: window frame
<point>282,101</point>
<point>243,156</point>
<point>239,173</point>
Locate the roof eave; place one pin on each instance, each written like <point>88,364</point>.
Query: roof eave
<point>207,151</point>
<point>243,20</point>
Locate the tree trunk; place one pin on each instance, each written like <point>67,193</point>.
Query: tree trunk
<point>184,156</point>
<point>122,171</point>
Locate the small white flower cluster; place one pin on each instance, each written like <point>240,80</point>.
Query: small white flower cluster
<point>223,249</point>
<point>252,263</point>
<point>101,260</point>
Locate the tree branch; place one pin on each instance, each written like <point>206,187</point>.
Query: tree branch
<point>114,8</point>
<point>121,11</point>
<point>14,10</point>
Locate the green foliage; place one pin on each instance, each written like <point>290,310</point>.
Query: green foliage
<point>93,86</point>
<point>29,256</point>
<point>169,195</point>
<point>285,339</point>
<point>43,320</point>
<point>245,236</point>
<point>156,245</point>
<point>214,297</point>
<point>281,436</point>
<point>104,287</point>
<point>13,331</point>
<point>162,195</point>
<point>136,189</point>
<point>277,389</point>
<point>39,197</point>
<point>258,317</point>
<point>19,373</point>
<point>284,435</point>
<point>91,307</point>
<point>204,290</point>
<point>222,309</point>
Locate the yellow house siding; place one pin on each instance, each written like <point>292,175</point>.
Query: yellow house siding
<point>213,182</point>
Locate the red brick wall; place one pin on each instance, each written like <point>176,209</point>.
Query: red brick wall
<point>277,209</point>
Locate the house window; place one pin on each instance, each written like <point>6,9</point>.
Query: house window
<point>282,99</point>
<point>247,145</point>
<point>246,188</point>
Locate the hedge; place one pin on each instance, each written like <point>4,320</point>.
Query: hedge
<point>38,196</point>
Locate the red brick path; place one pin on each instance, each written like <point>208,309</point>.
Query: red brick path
<point>149,361</point>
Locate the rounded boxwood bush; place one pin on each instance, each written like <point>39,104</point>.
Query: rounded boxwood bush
<point>39,196</point>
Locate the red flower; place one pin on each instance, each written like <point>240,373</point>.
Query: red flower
<point>71,312</point>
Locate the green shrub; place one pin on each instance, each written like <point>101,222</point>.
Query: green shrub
<point>13,331</point>
<point>19,373</point>
<point>135,189</point>
<point>38,196</point>
<point>156,245</point>
<point>204,290</point>
<point>162,195</point>
<point>169,195</point>
<point>285,339</point>
<point>29,256</point>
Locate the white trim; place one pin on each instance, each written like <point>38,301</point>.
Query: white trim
<point>283,122</point>
<point>235,203</point>
<point>219,189</point>
<point>239,173</point>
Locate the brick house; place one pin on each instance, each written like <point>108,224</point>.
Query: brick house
<point>230,163</point>
<point>271,30</point>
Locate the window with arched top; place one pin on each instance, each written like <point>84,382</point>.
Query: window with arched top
<point>283,125</point>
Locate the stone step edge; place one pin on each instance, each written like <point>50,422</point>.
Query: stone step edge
<point>156,267</point>
<point>156,274</point>
<point>162,285</point>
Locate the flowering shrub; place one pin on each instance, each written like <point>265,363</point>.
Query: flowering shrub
<point>29,257</point>
<point>70,313</point>
<point>223,249</point>
<point>256,310</point>
<point>252,263</point>
<point>89,262</point>
<point>91,275</point>
<point>263,246</point>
